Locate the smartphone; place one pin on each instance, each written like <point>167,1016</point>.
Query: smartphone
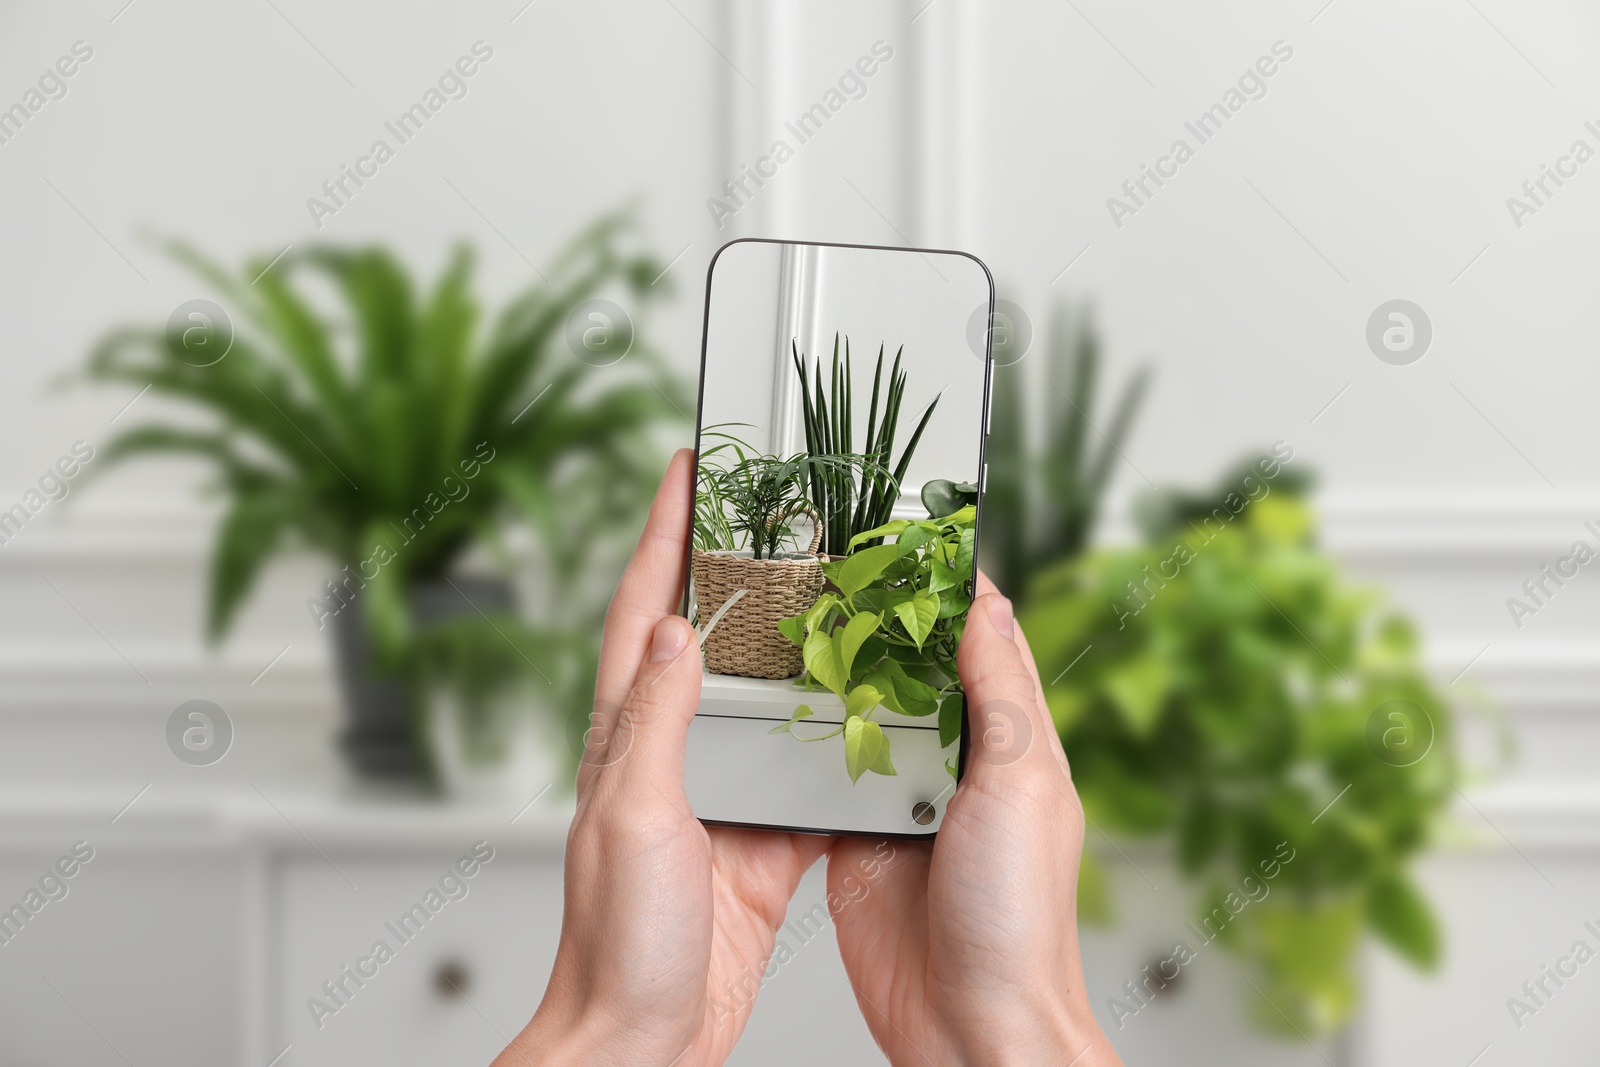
<point>838,495</point>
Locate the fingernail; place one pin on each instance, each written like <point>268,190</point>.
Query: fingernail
<point>670,639</point>
<point>1000,615</point>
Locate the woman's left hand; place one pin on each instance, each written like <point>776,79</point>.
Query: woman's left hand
<point>667,925</point>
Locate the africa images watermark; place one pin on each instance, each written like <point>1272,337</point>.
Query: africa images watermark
<point>852,85</point>
<point>52,85</point>
<point>339,594</point>
<point>350,979</point>
<point>1538,589</point>
<point>52,887</point>
<point>804,930</point>
<point>1252,890</point>
<point>1536,992</point>
<point>1537,191</point>
<point>1185,551</point>
<point>1252,85</point>
<point>53,485</point>
<point>452,85</point>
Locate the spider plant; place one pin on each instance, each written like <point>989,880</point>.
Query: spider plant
<point>713,532</point>
<point>854,499</point>
<point>757,493</point>
<point>357,427</point>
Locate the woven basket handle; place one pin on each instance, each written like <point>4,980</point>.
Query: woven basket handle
<point>802,508</point>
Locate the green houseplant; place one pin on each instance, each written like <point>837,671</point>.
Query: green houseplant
<point>1234,695</point>
<point>394,431</point>
<point>743,584</point>
<point>886,636</point>
<point>853,499</point>
<point>1222,686</point>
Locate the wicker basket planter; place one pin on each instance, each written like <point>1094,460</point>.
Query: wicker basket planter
<point>746,641</point>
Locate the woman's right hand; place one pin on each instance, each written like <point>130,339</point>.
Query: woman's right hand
<point>966,950</point>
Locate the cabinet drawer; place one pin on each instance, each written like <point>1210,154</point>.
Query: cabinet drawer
<point>410,961</point>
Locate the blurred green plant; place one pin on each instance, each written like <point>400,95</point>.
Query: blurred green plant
<point>851,500</point>
<point>1043,496</point>
<point>887,633</point>
<point>387,425</point>
<point>333,429</point>
<point>1225,700</point>
<point>1238,699</point>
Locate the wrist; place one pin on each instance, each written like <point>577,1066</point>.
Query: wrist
<point>1049,1033</point>
<point>563,1036</point>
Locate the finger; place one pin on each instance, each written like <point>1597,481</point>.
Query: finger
<point>1054,738</point>
<point>1008,725</point>
<point>652,723</point>
<point>984,587</point>
<point>651,586</point>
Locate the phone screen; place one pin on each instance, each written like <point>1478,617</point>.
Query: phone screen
<point>839,471</point>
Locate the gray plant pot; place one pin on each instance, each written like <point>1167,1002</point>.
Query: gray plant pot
<point>379,739</point>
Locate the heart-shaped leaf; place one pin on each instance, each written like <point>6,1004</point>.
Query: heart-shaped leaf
<point>918,615</point>
<point>855,631</point>
<point>862,699</point>
<point>861,568</point>
<point>863,740</point>
<point>822,661</point>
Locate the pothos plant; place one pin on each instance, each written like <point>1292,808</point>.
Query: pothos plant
<point>886,634</point>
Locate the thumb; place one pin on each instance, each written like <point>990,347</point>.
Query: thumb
<point>1006,725</point>
<point>651,727</point>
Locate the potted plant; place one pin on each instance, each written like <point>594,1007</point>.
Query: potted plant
<point>1223,687</point>
<point>394,437</point>
<point>886,634</point>
<point>744,582</point>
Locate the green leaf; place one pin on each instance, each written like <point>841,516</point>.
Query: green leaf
<point>857,630</point>
<point>919,615</point>
<point>817,611</point>
<point>951,710</point>
<point>801,712</point>
<point>860,569</point>
<point>888,529</point>
<point>944,497</point>
<point>869,655</point>
<point>903,693</point>
<point>942,577</point>
<point>822,661</point>
<point>1139,688</point>
<point>882,765</point>
<point>794,628</point>
<point>862,700</point>
<point>863,740</point>
<point>914,538</point>
<point>248,537</point>
<point>964,553</point>
<point>1401,916</point>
